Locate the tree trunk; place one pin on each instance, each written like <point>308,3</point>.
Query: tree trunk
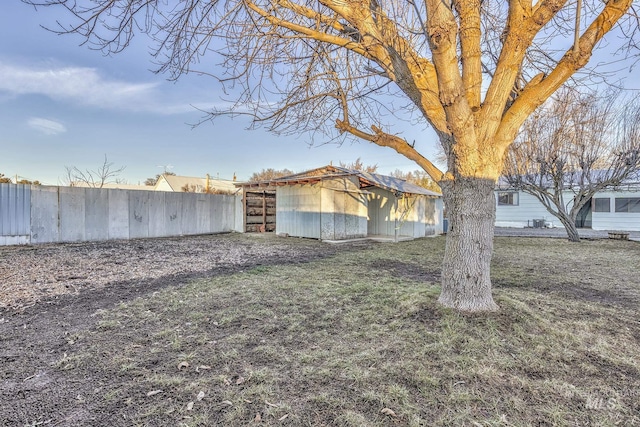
<point>471,209</point>
<point>570,226</point>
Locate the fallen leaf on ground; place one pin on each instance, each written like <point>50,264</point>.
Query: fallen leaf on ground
<point>240,380</point>
<point>227,402</point>
<point>258,418</point>
<point>387,411</point>
<point>284,417</point>
<point>203,367</point>
<point>153,393</point>
<point>189,406</point>
<point>183,365</point>
<point>200,396</point>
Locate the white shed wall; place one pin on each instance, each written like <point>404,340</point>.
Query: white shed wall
<point>298,210</point>
<point>417,216</point>
<point>343,214</point>
<point>330,210</point>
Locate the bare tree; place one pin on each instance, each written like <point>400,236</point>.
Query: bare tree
<point>472,70</point>
<point>418,177</point>
<point>572,147</point>
<point>96,178</point>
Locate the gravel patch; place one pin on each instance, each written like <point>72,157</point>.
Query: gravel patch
<point>585,233</point>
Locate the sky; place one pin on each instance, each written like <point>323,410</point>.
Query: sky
<point>62,104</point>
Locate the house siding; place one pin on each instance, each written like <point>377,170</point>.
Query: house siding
<point>529,208</point>
<point>523,214</point>
<point>627,221</point>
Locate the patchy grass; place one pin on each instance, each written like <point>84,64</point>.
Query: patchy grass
<point>358,339</point>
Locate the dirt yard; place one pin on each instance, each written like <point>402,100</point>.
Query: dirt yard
<point>49,292</point>
<point>124,269</point>
<point>238,329</point>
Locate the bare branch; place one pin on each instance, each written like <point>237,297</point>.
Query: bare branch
<point>96,178</point>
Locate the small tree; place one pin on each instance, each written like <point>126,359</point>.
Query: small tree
<point>574,146</point>
<point>96,178</point>
<point>5,179</point>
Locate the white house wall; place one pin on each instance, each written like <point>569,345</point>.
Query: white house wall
<point>523,214</point>
<point>529,208</point>
<point>623,221</point>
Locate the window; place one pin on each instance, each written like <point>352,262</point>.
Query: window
<point>602,204</point>
<point>508,198</point>
<point>628,204</point>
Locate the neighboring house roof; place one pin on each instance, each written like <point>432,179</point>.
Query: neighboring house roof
<point>571,180</point>
<point>366,179</point>
<point>177,183</point>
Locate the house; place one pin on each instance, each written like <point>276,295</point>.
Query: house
<point>611,209</point>
<point>334,203</point>
<point>190,184</point>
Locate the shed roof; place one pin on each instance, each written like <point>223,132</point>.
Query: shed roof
<point>366,179</point>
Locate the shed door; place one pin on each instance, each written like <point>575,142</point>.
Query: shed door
<point>260,211</point>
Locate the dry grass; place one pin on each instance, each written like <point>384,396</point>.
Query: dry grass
<point>358,340</point>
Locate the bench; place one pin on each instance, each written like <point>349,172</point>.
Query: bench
<point>618,235</point>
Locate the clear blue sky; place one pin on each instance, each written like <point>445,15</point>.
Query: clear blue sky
<point>62,104</point>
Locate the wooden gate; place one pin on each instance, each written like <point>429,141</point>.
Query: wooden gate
<point>260,211</point>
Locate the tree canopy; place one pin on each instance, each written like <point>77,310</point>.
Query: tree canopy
<point>269,173</point>
<point>359,166</point>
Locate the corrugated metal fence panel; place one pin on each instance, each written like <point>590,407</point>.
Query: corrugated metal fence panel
<point>41,214</point>
<point>15,209</point>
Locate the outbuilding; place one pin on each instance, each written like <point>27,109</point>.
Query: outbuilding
<point>334,203</point>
